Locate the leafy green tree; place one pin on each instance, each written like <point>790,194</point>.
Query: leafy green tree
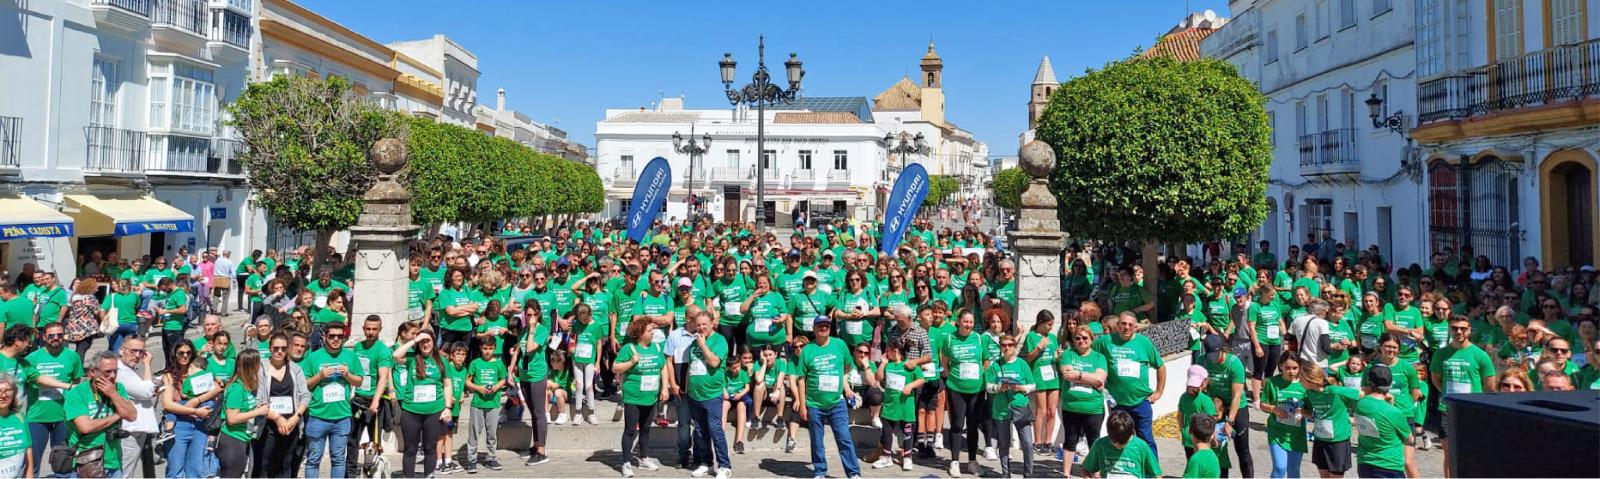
<point>940,187</point>
<point>463,175</point>
<point>306,150</point>
<point>1007,188</point>
<point>1159,150</point>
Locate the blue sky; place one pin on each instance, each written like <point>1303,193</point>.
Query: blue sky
<point>566,62</point>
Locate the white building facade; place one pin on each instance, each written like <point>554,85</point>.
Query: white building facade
<point>112,126</point>
<point>521,128</point>
<point>823,155</point>
<point>458,68</point>
<point>1334,174</point>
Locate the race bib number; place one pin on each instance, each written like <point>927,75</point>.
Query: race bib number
<point>415,313</point>
<point>283,405</point>
<point>1272,331</point>
<point>332,392</point>
<point>585,351</point>
<point>1352,382</point>
<point>650,383</point>
<point>202,383</point>
<point>1129,368</point>
<point>1323,429</point>
<point>929,372</point>
<point>1081,389</point>
<point>764,324</point>
<point>425,393</point>
<point>1366,427</point>
<point>896,382</point>
<point>1047,374</point>
<point>731,308</point>
<point>697,368</point>
<point>855,327</point>
<point>828,384</point>
<point>855,378</point>
<point>1451,387</point>
<point>50,394</point>
<point>967,371</point>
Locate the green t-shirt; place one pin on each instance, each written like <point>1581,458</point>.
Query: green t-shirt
<point>1003,372</point>
<point>1383,430</point>
<point>563,298</point>
<point>1082,399</point>
<point>823,367</point>
<point>1126,298</point>
<point>1330,413</point>
<point>126,305</point>
<point>807,306</point>
<point>732,293</point>
<point>535,366</point>
<point>1461,370</point>
<point>418,292</point>
<point>856,331</point>
<point>486,373</point>
<point>1409,318</point>
<point>762,331</point>
<point>14,437</point>
<point>45,402</point>
<point>1282,392</point>
<point>1135,459</point>
<point>237,398</point>
<point>641,384</point>
<point>1044,365</point>
<point>706,382</point>
<point>327,316</point>
<point>330,399</point>
<point>1203,463</point>
<point>456,297</point>
<point>1223,376</point>
<point>254,282</point>
<point>152,277</point>
<point>652,305</point>
<point>18,311</point>
<point>1269,320</point>
<point>458,385</point>
<point>1188,405</point>
<point>587,348</point>
<point>967,356</point>
<point>370,359</point>
<point>897,406</point>
<point>319,293</point>
<point>601,305</point>
<point>495,323</point>
<point>423,395</point>
<point>737,380</point>
<point>82,401</point>
<point>172,300</point>
<point>1129,367</point>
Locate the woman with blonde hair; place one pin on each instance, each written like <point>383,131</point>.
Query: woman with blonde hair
<point>14,459</point>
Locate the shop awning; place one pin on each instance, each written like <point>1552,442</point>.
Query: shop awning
<point>125,216</point>
<point>22,217</point>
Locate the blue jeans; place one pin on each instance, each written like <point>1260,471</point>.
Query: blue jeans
<point>123,331</point>
<point>1141,423</point>
<point>187,455</point>
<point>336,434</point>
<point>838,419</point>
<point>44,436</point>
<point>1367,470</point>
<point>1285,463</point>
<point>708,434</point>
<point>144,299</point>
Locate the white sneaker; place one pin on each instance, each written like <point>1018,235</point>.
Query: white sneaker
<point>905,463</point>
<point>990,454</point>
<point>650,464</point>
<point>883,462</point>
<point>589,419</point>
<point>627,470</point>
<point>559,420</point>
<point>724,473</point>
<point>877,423</point>
<point>955,469</point>
<point>701,471</point>
<point>938,440</point>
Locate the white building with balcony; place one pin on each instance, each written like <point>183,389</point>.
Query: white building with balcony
<point>111,136</point>
<point>823,155</point>
<point>1334,175</point>
<point>457,68</point>
<point>1508,123</point>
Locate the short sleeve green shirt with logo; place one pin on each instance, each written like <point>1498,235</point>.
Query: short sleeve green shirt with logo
<point>823,367</point>
<point>1130,365</point>
<point>967,358</point>
<point>330,398</point>
<point>641,385</point>
<point>706,382</point>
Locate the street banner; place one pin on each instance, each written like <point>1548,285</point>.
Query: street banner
<point>909,192</point>
<point>649,194</point>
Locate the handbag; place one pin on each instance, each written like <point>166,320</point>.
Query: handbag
<point>109,325</point>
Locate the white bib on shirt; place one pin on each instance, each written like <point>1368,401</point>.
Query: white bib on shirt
<point>731,308</point>
<point>283,405</point>
<point>425,393</point>
<point>332,392</point>
<point>697,367</point>
<point>650,383</point>
<point>1129,368</point>
<point>828,384</point>
<point>585,351</point>
<point>855,327</point>
<point>202,383</point>
<point>896,382</point>
<point>967,371</point>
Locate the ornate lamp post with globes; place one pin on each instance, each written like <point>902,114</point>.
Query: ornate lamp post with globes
<point>759,92</point>
<point>696,152</point>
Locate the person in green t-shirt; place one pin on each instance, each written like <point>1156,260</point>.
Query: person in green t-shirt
<point>487,380</point>
<point>1459,368</point>
<point>963,357</point>
<point>104,405</point>
<point>14,437</point>
<point>1119,454</point>
<point>122,304</point>
<point>1131,360</point>
<point>460,304</point>
<point>1286,429</point>
<point>641,367</point>
<point>1009,381</point>
<point>1385,447</point>
<point>769,321</point>
<point>241,406</point>
<point>820,378</point>
<point>1083,375</point>
<point>706,384</point>
<point>898,412</point>
<point>171,306</point>
<point>422,389</point>
<point>18,309</point>
<point>1040,348</point>
<point>335,373</point>
<point>740,399</point>
<point>1201,430</point>
<point>1327,412</point>
<point>62,366</point>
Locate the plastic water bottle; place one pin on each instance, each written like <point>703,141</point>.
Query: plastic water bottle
<point>851,401</point>
<point>1222,434</point>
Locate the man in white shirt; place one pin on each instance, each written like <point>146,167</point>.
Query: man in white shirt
<point>1311,330</point>
<point>133,374</point>
<point>677,346</point>
<point>223,268</point>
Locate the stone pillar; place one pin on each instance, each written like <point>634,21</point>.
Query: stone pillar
<point>379,239</point>
<point>1038,241</point>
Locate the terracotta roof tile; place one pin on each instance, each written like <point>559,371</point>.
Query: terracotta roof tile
<point>1183,45</point>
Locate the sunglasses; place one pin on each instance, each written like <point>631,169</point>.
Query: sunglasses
<point>278,348</point>
<point>55,336</point>
<point>1083,338</point>
<point>334,336</point>
<point>1559,350</point>
<point>183,353</point>
<point>1008,345</point>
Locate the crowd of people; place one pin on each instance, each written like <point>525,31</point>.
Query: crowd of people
<point>723,331</point>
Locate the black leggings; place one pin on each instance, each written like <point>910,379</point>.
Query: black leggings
<point>636,425</point>
<point>1267,364</point>
<point>269,451</point>
<point>419,430</point>
<point>534,395</point>
<point>1076,426</point>
<point>231,456</point>
<point>892,428</point>
<point>169,342</point>
<point>734,334</point>
<point>1241,443</point>
<point>965,418</point>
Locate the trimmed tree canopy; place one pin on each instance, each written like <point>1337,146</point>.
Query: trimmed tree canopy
<point>458,174</point>
<point>1008,187</point>
<point>1156,149</point>
<point>940,187</point>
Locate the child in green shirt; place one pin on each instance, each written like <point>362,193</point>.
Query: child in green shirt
<point>487,379</point>
<point>1203,461</point>
<point>559,384</point>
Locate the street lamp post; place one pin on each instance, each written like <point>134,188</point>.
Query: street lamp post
<point>759,92</point>
<point>695,151</point>
<point>902,146</point>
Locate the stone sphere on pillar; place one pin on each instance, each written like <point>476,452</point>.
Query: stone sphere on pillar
<point>1037,159</point>
<point>389,155</point>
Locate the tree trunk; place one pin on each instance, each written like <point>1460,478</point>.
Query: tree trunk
<point>320,251</point>
<point>1151,265</point>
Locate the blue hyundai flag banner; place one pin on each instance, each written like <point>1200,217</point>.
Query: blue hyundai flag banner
<point>648,196</point>
<point>909,192</point>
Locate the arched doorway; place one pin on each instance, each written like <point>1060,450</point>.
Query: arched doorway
<point>1568,209</point>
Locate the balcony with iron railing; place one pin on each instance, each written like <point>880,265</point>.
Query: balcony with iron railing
<point>179,20</point>
<point>804,175</point>
<point>727,174</point>
<point>230,29</point>
<point>1557,75</point>
<point>835,176</point>
<point>10,142</point>
<point>124,15</point>
<point>1330,153</point>
<point>114,150</point>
